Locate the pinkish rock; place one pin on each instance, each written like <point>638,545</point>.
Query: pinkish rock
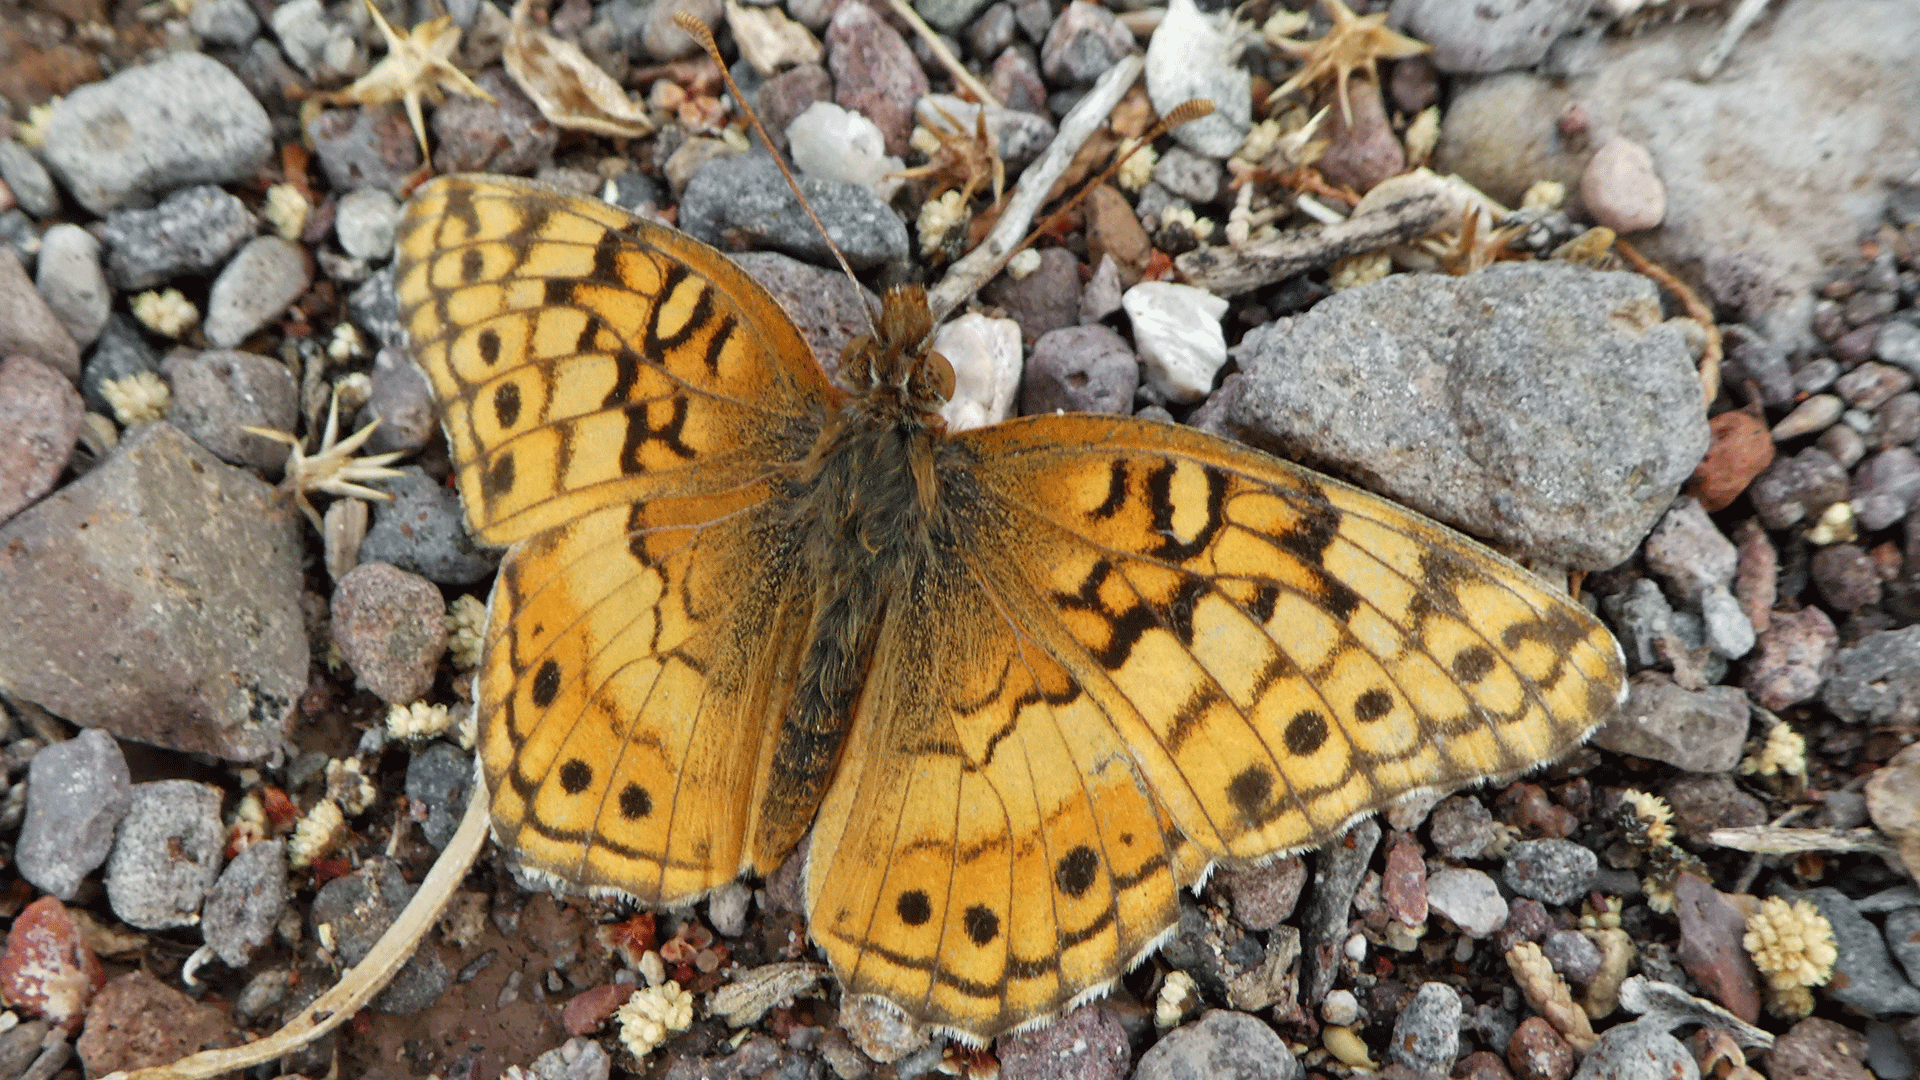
<point>1711,931</point>
<point>1791,658</point>
<point>40,415</point>
<point>391,627</point>
<point>1362,154</point>
<point>1404,885</point>
<point>874,72</point>
<point>48,970</point>
<point>28,327</point>
<point>1622,189</point>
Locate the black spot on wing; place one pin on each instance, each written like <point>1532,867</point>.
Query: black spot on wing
<point>913,907</point>
<point>635,802</point>
<point>546,683</point>
<point>576,776</point>
<point>1077,871</point>
<point>981,924</point>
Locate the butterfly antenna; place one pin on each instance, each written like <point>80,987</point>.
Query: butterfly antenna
<point>698,31</point>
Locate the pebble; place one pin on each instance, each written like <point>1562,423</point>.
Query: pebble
<point>952,16</point>
<point>1084,41</point>
<point>1221,1045</point>
<point>1899,344</point>
<point>1814,414</point>
<point>1877,682</point>
<point>40,414</point>
<point>1088,1043</point>
<point>224,22</point>
<point>365,222</point>
<point>1177,331</point>
<point>1550,871</point>
<point>28,180</point>
<point>423,531</point>
<point>323,47</point>
<point>173,617</point>
<point>166,854</point>
<point>880,1032</point>
<point>1793,658</point>
<point>185,119</point>
<point>1115,232</point>
<point>874,73</point>
<point>1898,421</point>
<point>1819,1049</point>
<point>48,970</point>
<point>1845,577</point>
<point>19,1045</point>
<point>1751,356</point>
<point>1426,1034</point>
<point>69,277</point>
<point>440,777</point>
<point>1461,827</point>
<point>1903,940</point>
<point>1870,385</point>
<point>1537,1052</point>
<point>1191,55</point>
<point>1469,899</point>
<point>1687,550</point>
<point>1885,487</point>
<point>1798,488</point>
<point>1365,152</point>
<point>1728,630</point>
<point>1700,731</point>
<point>1337,870</point>
<point>1100,296</point>
<point>28,327</point>
<point>1573,955</point>
<point>191,231</point>
<point>588,1010</point>
<point>139,1022</point>
<point>745,199</point>
<point>1622,188</point>
<point>1189,175</point>
<point>1864,976</point>
<point>1855,345</point>
<point>1332,387</point>
<point>1046,300</point>
<point>217,392</point>
<point>1846,445</point>
<point>1893,803</point>
<point>829,309</point>
<point>576,1059</point>
<point>359,907</point>
<point>1741,449</point>
<point>1711,933</point>
<point>1488,37</point>
<point>1816,375</point>
<point>245,905</point>
<point>1638,1051</point>
<point>827,142</point>
<point>374,146</point>
<point>76,792</point>
<point>120,352</point>
<point>789,94</point>
<point>401,400</point>
<point>727,909</point>
<point>267,276</point>
<point>985,354</point>
<point>1341,1008</point>
<point>666,41</point>
<point>1015,80</point>
<point>1262,897</point>
<point>1888,1058</point>
<point>1704,803</point>
<point>391,627</point>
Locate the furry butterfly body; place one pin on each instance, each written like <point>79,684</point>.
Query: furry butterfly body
<point>1021,683</point>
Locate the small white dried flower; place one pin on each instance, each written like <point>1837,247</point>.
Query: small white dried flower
<point>286,210</point>
<point>345,344</point>
<point>166,312</point>
<point>651,1015</point>
<point>349,787</point>
<point>937,218</point>
<point>332,469</point>
<point>466,631</point>
<point>1022,266</point>
<point>1137,171</point>
<point>1653,819</point>
<point>1835,526</point>
<point>33,131</point>
<point>316,835</point>
<point>1177,995</point>
<point>1260,141</point>
<point>1544,195</point>
<point>418,721</point>
<point>1359,269</point>
<point>924,140</point>
<point>1785,754</point>
<point>139,398</point>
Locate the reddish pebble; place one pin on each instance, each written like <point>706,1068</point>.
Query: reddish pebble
<point>1742,448</point>
<point>1527,808</point>
<point>587,1011</point>
<point>1404,886</point>
<point>1367,152</point>
<point>48,970</point>
<point>1711,932</point>
<point>1482,1065</point>
<point>1537,1052</point>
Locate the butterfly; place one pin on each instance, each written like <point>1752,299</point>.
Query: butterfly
<point>1012,687</point>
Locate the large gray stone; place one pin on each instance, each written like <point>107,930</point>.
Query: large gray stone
<point>1541,405</point>
<point>166,854</point>
<point>76,792</point>
<point>743,200</point>
<point>1222,1045</point>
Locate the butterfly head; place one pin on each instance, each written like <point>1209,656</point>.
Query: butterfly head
<point>895,368</point>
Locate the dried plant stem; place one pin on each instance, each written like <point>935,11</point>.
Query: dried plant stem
<point>359,984</point>
<point>1770,840</point>
<point>1697,310</point>
<point>976,267</point>
<point>961,76</point>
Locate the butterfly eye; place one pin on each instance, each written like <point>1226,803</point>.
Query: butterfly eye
<point>940,373</point>
<point>856,363</point>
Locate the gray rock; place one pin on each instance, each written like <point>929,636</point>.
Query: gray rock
<point>1084,41</point>
<point>440,777</point>
<point>224,22</point>
<point>1461,827</point>
<point>1261,897</point>
<point>1638,1051</point>
<point>1221,1045</point>
<point>391,626</point>
<point>1550,871</point>
<point>1189,175</point>
<point>1816,375</point>
<point>120,352</point>
<point>1641,617</point>
<point>1877,682</point>
<point>1687,550</point>
<point>1793,658</point>
<point>1885,486</point>
<point>173,616</point>
<point>1046,300</point>
<point>1192,55</point>
<point>1100,297</point>
<point>1487,37</point>
<point>28,180</point>
<point>365,221</point>
<point>1864,977</point>
<point>424,531</point>
<point>68,274</point>
<point>40,416</point>
<point>191,231</point>
<point>576,1059</point>
<point>1726,625</point>
<point>1469,899</point>
<point>166,854</point>
<point>1426,1034</point>
<point>375,308</point>
<point>1903,940</point>
<point>1696,730</point>
<point>727,909</point>
<point>1501,135</point>
<point>1019,136</point>
<point>220,391</point>
<point>1899,343</point>
<point>1337,870</point>
<point>744,199</point>
<point>992,32</point>
<point>1888,1056</point>
<point>28,327</point>
<point>1573,955</point>
<point>182,120</point>
<point>358,908</point>
<point>245,905</point>
<point>374,146</point>
<point>402,401</point>
<point>1751,356</point>
<point>506,135</point>
<point>1798,488</point>
<point>76,793</point>
<point>949,16</point>
<point>267,275</point>
<point>1088,1043</point>
<point>323,47</point>
<point>1087,369</point>
<point>829,309</point>
<point>1540,404</point>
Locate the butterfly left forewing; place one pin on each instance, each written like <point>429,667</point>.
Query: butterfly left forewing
<point>1279,651</point>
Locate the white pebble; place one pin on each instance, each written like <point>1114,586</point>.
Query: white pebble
<point>1176,330</point>
<point>985,354</point>
<point>831,143</point>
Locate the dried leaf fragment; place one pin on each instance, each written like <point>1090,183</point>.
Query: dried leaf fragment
<point>569,89</point>
<point>745,1000</point>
